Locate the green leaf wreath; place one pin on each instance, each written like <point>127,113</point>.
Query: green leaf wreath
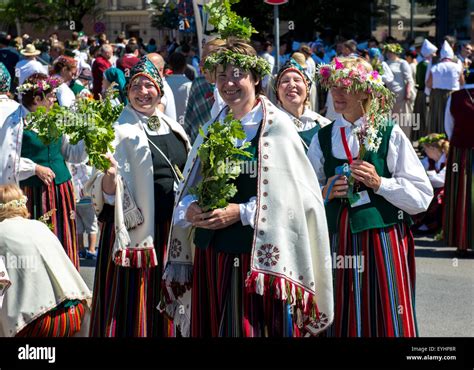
<point>220,163</point>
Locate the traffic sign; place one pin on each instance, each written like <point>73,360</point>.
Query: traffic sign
<point>275,2</point>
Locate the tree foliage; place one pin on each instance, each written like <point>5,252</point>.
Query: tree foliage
<point>45,13</point>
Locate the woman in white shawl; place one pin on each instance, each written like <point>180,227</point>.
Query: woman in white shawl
<point>41,292</point>
<point>134,201</point>
<point>260,266</point>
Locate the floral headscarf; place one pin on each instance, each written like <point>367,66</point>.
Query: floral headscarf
<point>293,65</point>
<point>147,69</point>
<point>5,79</point>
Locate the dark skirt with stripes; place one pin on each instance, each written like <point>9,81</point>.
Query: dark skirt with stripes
<point>125,299</point>
<point>374,282</point>
<point>433,217</point>
<point>63,321</point>
<point>60,198</point>
<point>223,307</point>
<point>438,101</point>
<point>458,213</point>
<point>420,110</point>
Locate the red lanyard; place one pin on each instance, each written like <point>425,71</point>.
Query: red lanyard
<point>346,146</point>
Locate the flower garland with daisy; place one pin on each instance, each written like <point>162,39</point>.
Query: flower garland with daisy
<point>50,83</point>
<point>359,79</point>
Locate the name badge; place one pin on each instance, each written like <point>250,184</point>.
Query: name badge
<point>362,198</point>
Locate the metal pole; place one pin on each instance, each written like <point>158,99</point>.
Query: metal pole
<point>277,36</point>
<point>412,13</point>
<point>390,18</point>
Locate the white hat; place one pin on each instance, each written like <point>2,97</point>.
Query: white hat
<point>447,51</point>
<point>428,48</point>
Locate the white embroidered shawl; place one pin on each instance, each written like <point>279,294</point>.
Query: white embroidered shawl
<point>291,242</point>
<point>134,197</point>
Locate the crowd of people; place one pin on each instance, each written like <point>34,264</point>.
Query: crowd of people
<point>355,147</point>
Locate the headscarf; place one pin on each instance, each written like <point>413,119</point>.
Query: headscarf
<point>116,75</point>
<point>293,65</point>
<point>5,79</point>
<point>147,69</point>
<point>428,48</point>
<point>447,51</point>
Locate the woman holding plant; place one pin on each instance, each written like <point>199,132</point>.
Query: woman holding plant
<point>248,246</point>
<point>42,171</point>
<point>134,200</point>
<point>371,181</point>
<point>292,90</point>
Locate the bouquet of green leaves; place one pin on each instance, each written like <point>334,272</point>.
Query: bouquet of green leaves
<point>96,128</point>
<point>89,120</point>
<point>220,163</point>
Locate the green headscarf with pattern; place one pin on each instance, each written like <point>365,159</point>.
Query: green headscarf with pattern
<point>147,69</point>
<point>5,79</point>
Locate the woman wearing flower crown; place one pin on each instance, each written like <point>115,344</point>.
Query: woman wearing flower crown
<point>134,201</point>
<point>44,296</point>
<point>44,176</point>
<point>292,87</point>
<point>371,181</point>
<point>255,267</point>
<point>436,148</point>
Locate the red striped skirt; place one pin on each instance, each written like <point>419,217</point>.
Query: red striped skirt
<point>42,199</point>
<point>60,322</point>
<point>222,307</point>
<point>374,282</point>
<point>124,300</point>
<point>458,213</point>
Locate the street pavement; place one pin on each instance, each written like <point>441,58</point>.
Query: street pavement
<point>444,289</point>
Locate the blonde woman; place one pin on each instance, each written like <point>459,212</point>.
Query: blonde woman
<point>371,181</point>
<point>47,296</point>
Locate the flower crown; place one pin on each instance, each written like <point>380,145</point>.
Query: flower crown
<point>358,79</point>
<point>246,62</point>
<point>15,203</point>
<point>394,48</point>
<point>354,79</point>
<point>49,84</point>
<point>430,139</point>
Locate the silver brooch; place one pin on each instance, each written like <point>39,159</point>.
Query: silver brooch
<point>154,123</point>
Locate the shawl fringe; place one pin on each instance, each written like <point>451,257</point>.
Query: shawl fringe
<point>136,257</point>
<point>306,312</point>
<point>180,273</point>
<point>133,219</point>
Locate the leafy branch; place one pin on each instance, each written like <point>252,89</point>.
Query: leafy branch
<point>220,163</point>
<point>227,22</point>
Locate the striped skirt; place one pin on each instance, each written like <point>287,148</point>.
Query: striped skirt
<point>458,213</point>
<point>374,282</point>
<point>221,306</point>
<point>64,321</point>
<point>420,110</point>
<point>438,101</point>
<point>124,300</point>
<point>42,199</point>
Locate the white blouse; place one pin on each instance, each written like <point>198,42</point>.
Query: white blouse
<point>446,75</point>
<point>437,177</point>
<point>308,120</point>
<point>448,117</point>
<point>409,187</point>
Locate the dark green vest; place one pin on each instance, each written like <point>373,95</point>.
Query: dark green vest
<point>76,87</point>
<point>308,135</point>
<point>377,214</point>
<point>45,155</point>
<point>235,238</point>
